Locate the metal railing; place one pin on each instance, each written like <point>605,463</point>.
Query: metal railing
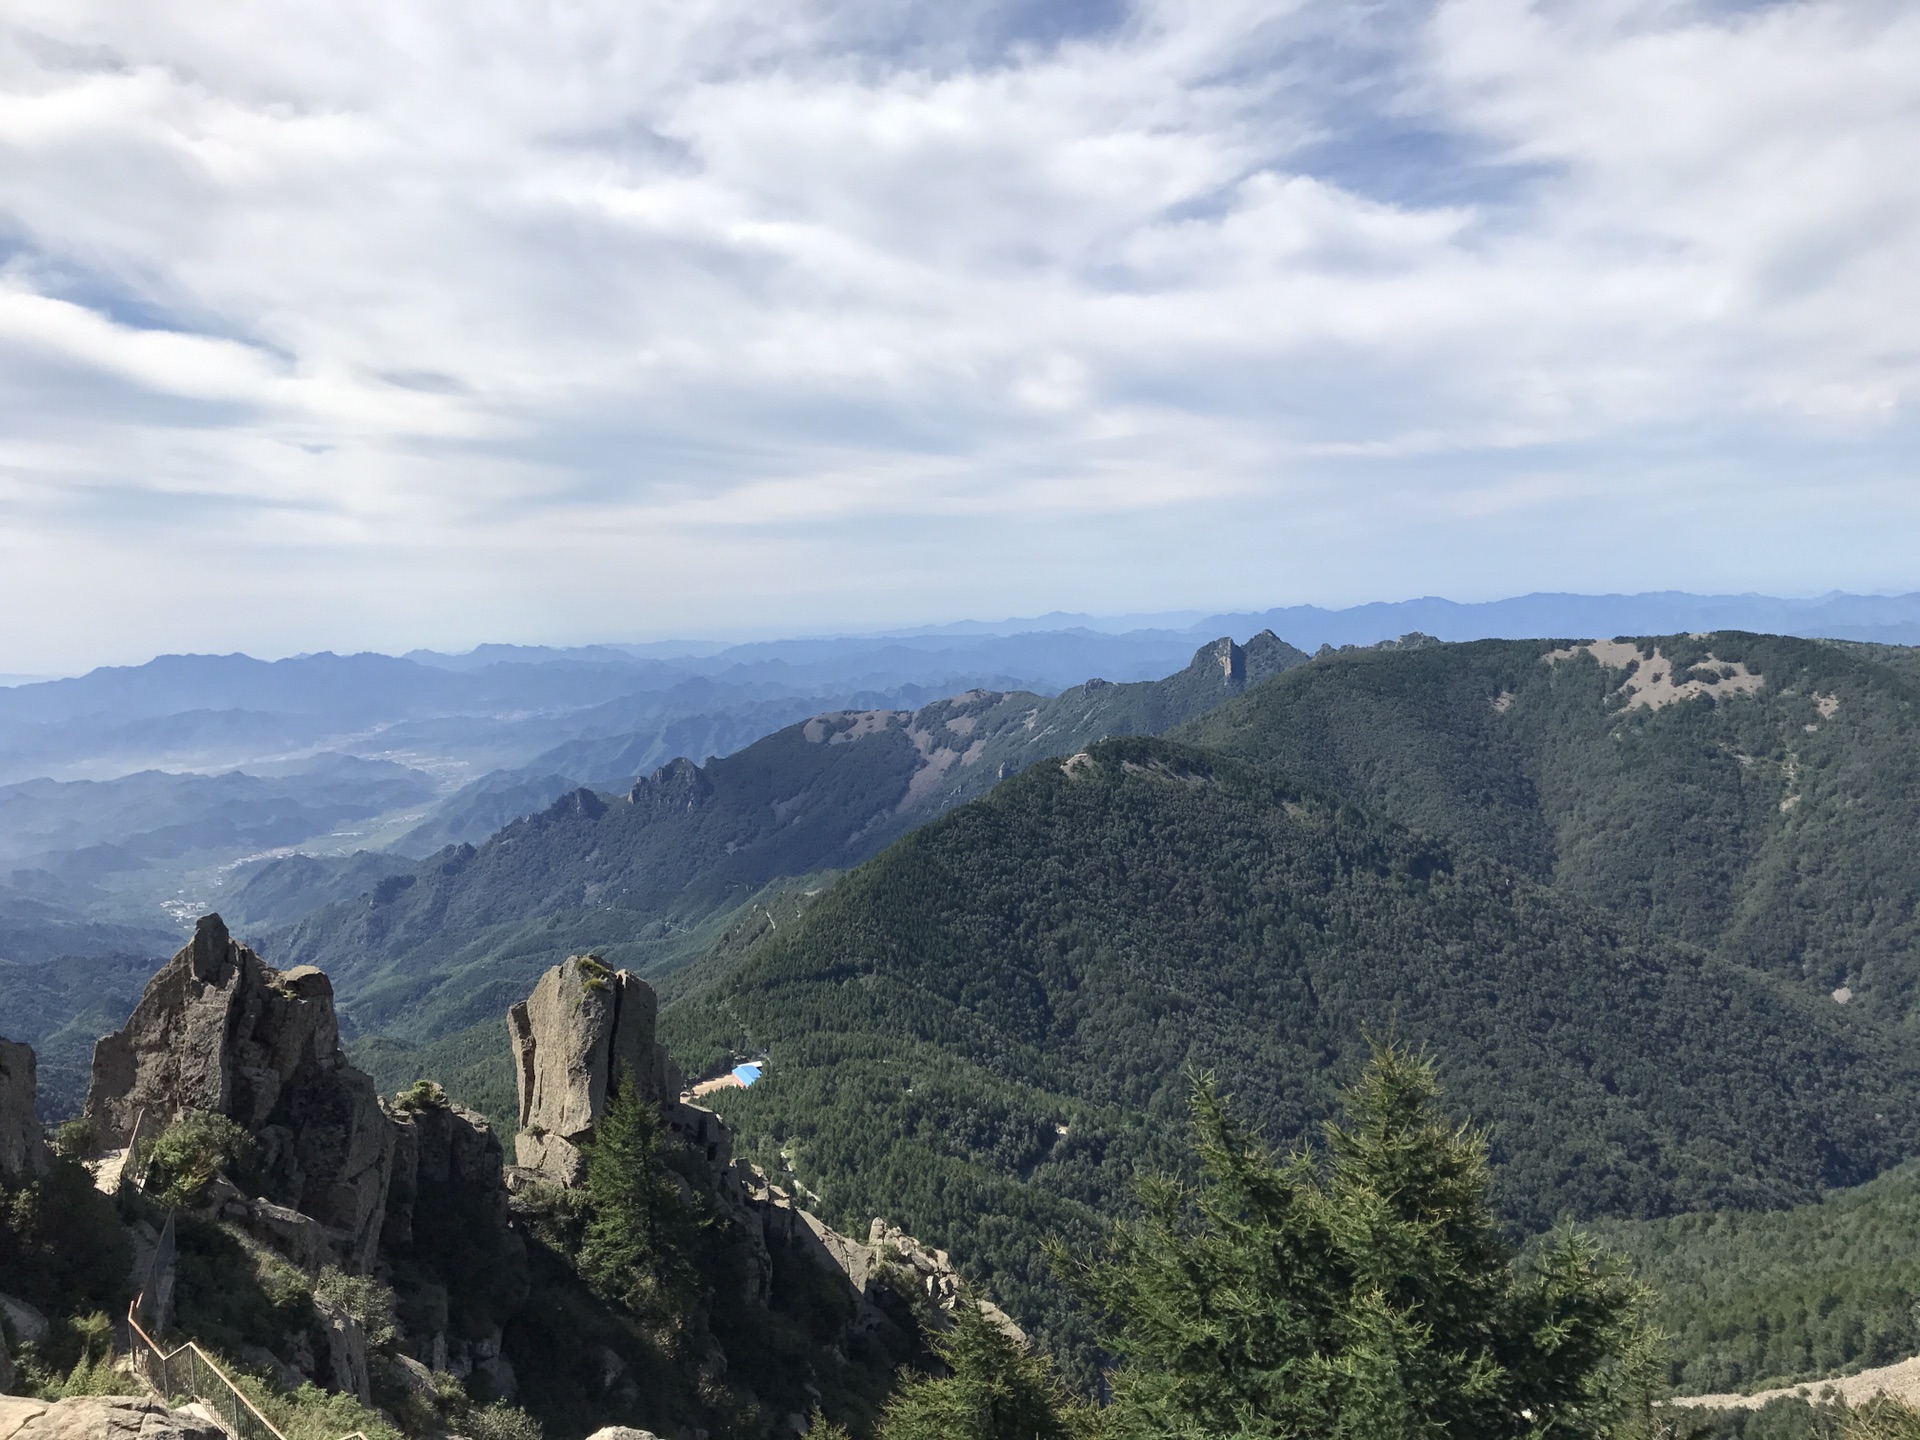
<point>154,1303</point>
<point>189,1370</point>
<point>135,1136</point>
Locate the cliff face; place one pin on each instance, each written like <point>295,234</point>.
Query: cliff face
<point>218,1030</point>
<point>478,1258</point>
<point>583,1030</point>
<point>409,1193</point>
<point>448,1246</point>
<point>768,1263</point>
<point>22,1150</point>
<point>578,1035</point>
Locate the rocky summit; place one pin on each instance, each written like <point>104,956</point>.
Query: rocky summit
<point>221,1032</point>
<point>583,1030</point>
<point>276,1209</point>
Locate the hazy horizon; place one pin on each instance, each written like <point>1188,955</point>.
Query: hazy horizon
<point>1888,611</point>
<point>360,328</point>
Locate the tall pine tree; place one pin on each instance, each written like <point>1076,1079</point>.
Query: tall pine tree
<point>640,1235</point>
<point>996,1390</point>
<point>1366,1297</point>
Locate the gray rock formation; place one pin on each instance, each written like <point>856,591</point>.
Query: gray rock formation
<point>621,1432</point>
<point>416,1188</point>
<point>102,1417</point>
<point>22,1149</point>
<point>678,785</point>
<point>1231,658</point>
<point>931,1272</point>
<point>27,1324</point>
<point>442,1150</point>
<point>219,1030</point>
<point>447,1217</point>
<point>344,1367</point>
<point>583,1023</point>
<point>300,1238</point>
<point>582,1026</point>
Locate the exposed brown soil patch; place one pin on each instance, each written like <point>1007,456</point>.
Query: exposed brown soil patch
<point>1651,683</point>
<point>1901,1381</point>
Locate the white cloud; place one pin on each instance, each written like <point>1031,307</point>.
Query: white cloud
<point>474,289</point>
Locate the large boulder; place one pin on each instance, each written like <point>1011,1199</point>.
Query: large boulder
<point>584,1028</point>
<point>220,1030</point>
<point>26,1323</point>
<point>23,1151</point>
<point>102,1417</point>
<point>344,1366</point>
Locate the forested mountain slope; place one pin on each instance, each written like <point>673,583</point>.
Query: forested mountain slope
<point>983,1031</point>
<point>1753,794</point>
<point>452,941</point>
<point>61,1008</point>
<point>33,930</point>
<point>1754,1300</point>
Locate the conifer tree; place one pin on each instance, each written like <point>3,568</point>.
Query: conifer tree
<point>1366,1297</point>
<point>996,1390</point>
<point>638,1240</point>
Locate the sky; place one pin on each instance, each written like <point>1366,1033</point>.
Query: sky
<point>433,322</point>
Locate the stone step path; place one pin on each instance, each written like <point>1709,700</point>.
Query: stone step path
<point>109,1169</point>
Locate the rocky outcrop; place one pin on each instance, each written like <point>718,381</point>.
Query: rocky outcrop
<point>582,1024</point>
<point>583,1029</point>
<point>891,1257</point>
<point>441,1149</point>
<point>467,1266</point>
<point>23,1150</point>
<point>343,1367</point>
<point>102,1417</point>
<point>456,1263</point>
<point>413,1192</point>
<point>581,803</point>
<point>1231,658</point>
<point>219,1030</point>
<point>27,1324</point>
<point>678,785</point>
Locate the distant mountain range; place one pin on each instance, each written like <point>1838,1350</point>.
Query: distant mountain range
<point>1650,904</point>
<point>197,763</point>
<point>1651,907</point>
<point>641,875</point>
<point>1885,619</point>
<point>133,796</point>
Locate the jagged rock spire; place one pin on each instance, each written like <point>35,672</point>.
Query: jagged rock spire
<point>583,1026</point>
<point>220,1030</point>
